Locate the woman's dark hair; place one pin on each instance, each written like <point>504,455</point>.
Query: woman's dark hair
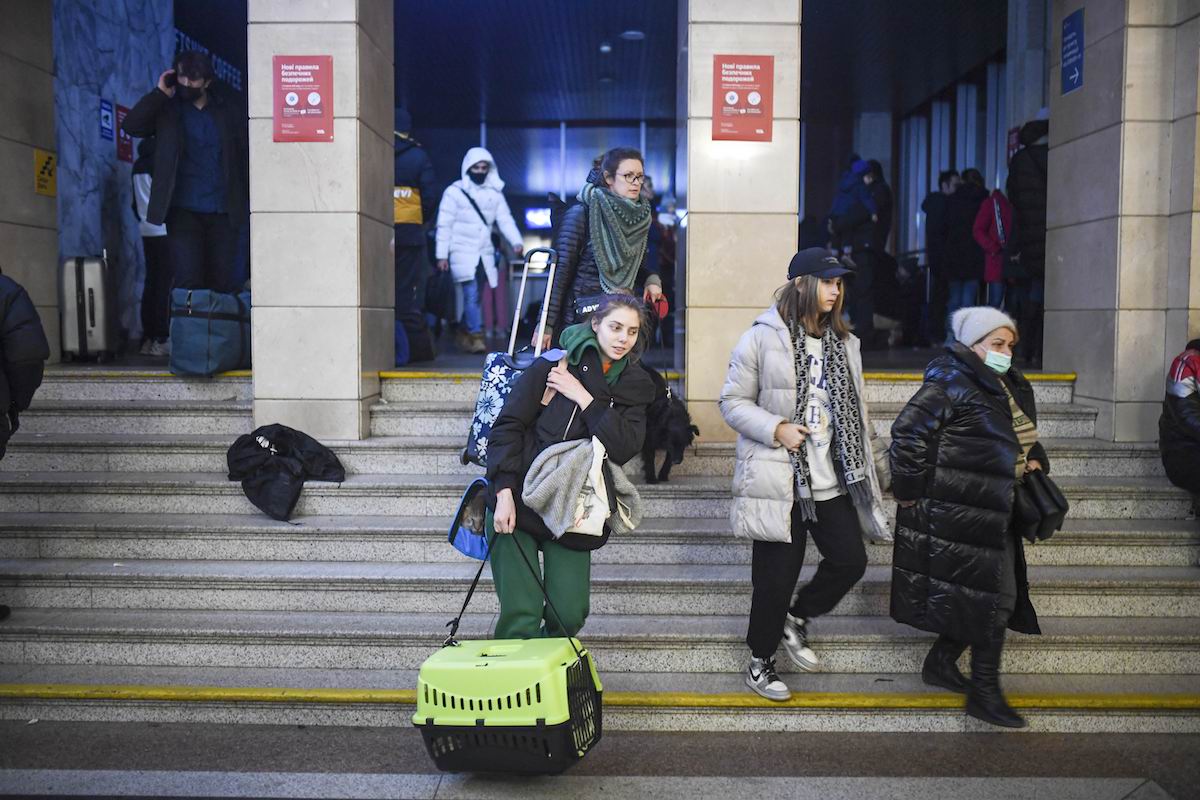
<point>973,176</point>
<point>194,65</point>
<point>875,170</point>
<point>625,299</point>
<point>946,175</point>
<point>608,163</point>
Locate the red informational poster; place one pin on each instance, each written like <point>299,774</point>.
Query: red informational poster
<point>303,98</point>
<point>124,140</point>
<point>743,98</point>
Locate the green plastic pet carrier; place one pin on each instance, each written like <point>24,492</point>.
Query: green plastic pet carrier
<point>508,705</point>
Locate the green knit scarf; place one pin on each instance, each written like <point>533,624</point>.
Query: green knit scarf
<point>619,228</point>
<point>577,339</point>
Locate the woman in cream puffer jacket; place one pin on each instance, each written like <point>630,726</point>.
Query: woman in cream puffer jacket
<point>814,472</point>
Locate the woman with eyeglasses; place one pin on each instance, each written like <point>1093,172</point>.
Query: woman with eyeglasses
<point>602,241</point>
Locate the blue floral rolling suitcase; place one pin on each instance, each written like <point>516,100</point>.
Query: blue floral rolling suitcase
<point>501,370</point>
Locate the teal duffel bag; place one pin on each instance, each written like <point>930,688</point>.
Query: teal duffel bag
<point>210,332</point>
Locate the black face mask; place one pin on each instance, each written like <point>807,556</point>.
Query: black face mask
<point>478,177</point>
<point>189,93</point>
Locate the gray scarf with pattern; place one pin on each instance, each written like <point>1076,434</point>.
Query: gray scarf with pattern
<point>619,229</point>
<point>849,457</point>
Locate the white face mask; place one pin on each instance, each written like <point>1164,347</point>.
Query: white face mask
<point>1000,362</point>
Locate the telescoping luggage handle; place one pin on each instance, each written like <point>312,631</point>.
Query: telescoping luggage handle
<point>552,262</point>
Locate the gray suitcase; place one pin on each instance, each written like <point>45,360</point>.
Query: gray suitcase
<point>88,310</point>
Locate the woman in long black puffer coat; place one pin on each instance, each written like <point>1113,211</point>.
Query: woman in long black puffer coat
<point>958,450</point>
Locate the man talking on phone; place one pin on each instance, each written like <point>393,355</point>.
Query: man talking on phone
<point>200,165</point>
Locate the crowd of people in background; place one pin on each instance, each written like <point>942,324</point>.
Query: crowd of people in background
<point>981,247</point>
<point>614,234</point>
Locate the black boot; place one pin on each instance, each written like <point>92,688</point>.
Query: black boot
<point>985,700</point>
<point>941,667</point>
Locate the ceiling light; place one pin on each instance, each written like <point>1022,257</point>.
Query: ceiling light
<point>605,48</point>
<point>633,36</point>
<point>607,79</point>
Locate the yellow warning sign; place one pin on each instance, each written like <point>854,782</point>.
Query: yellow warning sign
<point>45,165</point>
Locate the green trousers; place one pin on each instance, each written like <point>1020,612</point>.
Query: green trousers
<point>523,610</point>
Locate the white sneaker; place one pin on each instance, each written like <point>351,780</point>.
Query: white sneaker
<point>147,347</point>
<point>161,349</point>
<point>763,680</point>
<point>795,643</point>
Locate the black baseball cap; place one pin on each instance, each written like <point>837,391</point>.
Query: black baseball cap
<point>816,261</point>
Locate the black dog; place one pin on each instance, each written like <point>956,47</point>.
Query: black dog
<point>668,427</point>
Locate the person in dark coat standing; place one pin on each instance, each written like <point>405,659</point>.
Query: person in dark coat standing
<point>200,171</point>
<point>23,354</point>
<point>866,227</point>
<point>935,208</point>
<point>597,389</point>
<point>414,204</point>
<point>603,240</point>
<point>958,450</point>
<point>1026,189</point>
<point>1179,425</point>
<point>963,255</point>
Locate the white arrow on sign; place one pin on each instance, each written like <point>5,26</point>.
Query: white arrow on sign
<point>1075,76</point>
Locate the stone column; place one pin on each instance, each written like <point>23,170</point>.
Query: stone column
<point>1183,224</point>
<point>1121,208</point>
<point>28,221</point>
<point>323,278</point>
<point>743,197</point>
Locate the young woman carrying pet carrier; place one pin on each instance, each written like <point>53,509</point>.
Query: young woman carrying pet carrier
<point>597,390</point>
<point>807,462</point>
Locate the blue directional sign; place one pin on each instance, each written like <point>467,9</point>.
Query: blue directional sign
<point>1072,52</point>
<point>107,120</point>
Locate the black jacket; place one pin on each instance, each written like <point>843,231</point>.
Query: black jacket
<point>414,168</point>
<point>23,354</point>
<point>954,452</point>
<point>934,207</point>
<point>1179,425</point>
<point>159,116</point>
<point>577,274</point>
<point>524,428</point>
<point>859,230</point>
<point>963,255</point>
<point>1026,190</point>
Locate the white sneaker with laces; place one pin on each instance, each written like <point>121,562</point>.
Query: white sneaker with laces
<point>795,643</point>
<point>762,679</point>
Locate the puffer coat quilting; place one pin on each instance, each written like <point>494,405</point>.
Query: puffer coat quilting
<point>954,451</point>
<point>760,393</point>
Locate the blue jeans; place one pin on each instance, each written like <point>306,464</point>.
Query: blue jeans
<point>472,311</point>
<point>961,295</point>
<point>995,294</point>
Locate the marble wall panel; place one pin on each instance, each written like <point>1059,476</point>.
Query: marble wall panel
<point>775,11</point>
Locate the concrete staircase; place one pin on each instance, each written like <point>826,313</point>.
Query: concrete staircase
<point>145,586</point>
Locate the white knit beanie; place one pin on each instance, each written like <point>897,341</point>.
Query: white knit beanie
<point>973,323</point>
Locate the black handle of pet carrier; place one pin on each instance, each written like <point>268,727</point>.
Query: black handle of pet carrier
<point>454,623</point>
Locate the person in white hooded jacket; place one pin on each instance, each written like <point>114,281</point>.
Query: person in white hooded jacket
<point>808,463</point>
<point>470,207</point>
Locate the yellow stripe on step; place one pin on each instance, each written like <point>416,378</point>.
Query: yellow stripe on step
<point>662,700</point>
